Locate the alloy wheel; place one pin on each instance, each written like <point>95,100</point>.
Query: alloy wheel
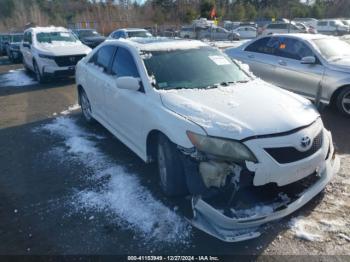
<point>85,107</point>
<point>346,102</point>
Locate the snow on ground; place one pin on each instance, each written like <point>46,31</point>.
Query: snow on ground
<point>329,219</point>
<point>302,228</point>
<point>70,109</point>
<point>17,78</point>
<point>121,196</point>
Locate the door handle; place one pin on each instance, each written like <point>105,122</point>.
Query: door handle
<point>282,63</point>
<point>251,56</point>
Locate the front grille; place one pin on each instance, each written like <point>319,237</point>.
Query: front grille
<point>70,60</point>
<point>284,155</point>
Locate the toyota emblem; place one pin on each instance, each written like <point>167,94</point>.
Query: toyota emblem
<point>72,59</point>
<point>305,142</point>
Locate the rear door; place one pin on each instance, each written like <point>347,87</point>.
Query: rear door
<point>260,56</point>
<point>291,73</point>
<point>97,73</point>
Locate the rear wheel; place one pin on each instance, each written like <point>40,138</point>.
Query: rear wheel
<point>171,168</point>
<point>343,101</point>
<point>85,107</point>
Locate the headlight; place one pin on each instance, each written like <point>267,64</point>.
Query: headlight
<point>46,56</point>
<point>224,148</point>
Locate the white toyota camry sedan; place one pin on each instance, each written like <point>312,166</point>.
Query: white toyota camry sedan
<point>246,151</point>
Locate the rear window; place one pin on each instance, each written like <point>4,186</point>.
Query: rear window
<point>277,26</point>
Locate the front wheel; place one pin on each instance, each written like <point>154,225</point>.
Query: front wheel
<point>171,168</point>
<point>343,101</point>
<point>39,77</point>
<point>85,107</point>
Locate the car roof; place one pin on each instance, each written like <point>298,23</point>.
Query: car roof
<point>305,36</point>
<point>160,43</point>
<point>131,29</point>
<point>47,29</point>
<point>84,29</point>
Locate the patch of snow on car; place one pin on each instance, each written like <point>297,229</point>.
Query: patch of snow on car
<point>16,78</point>
<point>121,196</point>
<point>70,109</point>
<point>173,45</point>
<point>302,226</point>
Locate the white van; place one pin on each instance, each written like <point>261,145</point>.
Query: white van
<point>51,51</point>
<point>332,27</point>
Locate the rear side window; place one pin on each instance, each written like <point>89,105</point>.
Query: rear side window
<point>103,57</point>
<point>124,64</point>
<point>322,23</point>
<point>264,45</point>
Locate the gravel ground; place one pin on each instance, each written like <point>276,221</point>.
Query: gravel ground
<point>60,201</point>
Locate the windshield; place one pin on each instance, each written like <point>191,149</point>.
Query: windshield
<point>332,48</point>
<point>194,68</point>
<point>16,38</point>
<point>139,34</point>
<point>50,37</point>
<point>88,33</point>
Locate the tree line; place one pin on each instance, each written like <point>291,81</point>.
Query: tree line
<point>111,14</point>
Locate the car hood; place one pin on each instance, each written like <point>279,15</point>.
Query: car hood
<point>342,64</point>
<point>241,110</point>
<point>64,48</point>
<point>97,39</point>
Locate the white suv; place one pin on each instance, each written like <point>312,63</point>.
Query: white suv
<point>332,27</point>
<point>51,51</point>
<point>216,132</point>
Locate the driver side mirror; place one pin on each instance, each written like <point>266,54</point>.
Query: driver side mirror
<point>308,60</point>
<point>128,82</point>
<point>26,45</point>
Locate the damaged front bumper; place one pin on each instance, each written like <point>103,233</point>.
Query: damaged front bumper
<point>214,222</point>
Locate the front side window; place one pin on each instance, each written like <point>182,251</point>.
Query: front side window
<point>51,37</point>
<point>292,49</point>
<point>204,67</point>
<point>124,64</point>
<point>103,56</point>
<point>139,34</point>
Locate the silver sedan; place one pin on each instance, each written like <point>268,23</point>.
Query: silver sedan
<point>315,66</point>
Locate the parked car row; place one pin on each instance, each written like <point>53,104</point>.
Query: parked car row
<point>9,46</point>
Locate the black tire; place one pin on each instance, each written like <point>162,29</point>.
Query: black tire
<point>170,168</point>
<point>25,65</point>
<point>343,101</point>
<point>39,77</point>
<point>85,107</point>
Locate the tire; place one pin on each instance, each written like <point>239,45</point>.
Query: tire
<point>170,168</point>
<point>86,107</point>
<point>39,77</point>
<point>25,65</point>
<point>343,101</point>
